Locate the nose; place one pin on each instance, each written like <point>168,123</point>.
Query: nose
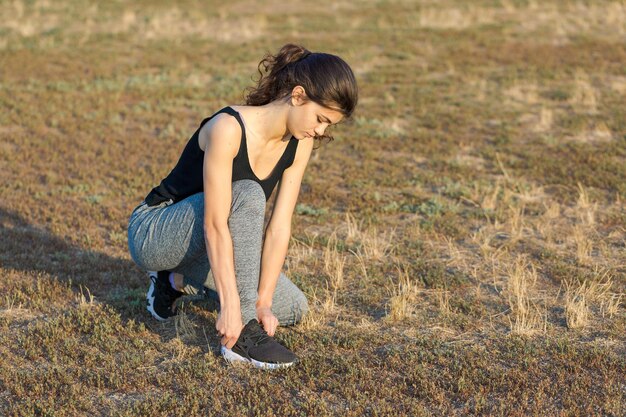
<point>319,130</point>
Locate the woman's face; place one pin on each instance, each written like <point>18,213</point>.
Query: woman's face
<point>307,118</point>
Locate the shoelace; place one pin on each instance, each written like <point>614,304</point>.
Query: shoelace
<point>257,335</point>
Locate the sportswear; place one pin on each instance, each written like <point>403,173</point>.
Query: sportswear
<point>186,178</point>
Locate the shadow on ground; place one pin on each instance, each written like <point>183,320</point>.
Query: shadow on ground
<point>114,281</point>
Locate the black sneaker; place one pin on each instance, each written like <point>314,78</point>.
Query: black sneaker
<point>161,296</point>
<point>261,350</point>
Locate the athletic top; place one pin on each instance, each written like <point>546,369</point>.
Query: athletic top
<point>186,177</point>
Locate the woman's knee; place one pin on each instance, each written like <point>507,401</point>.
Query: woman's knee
<point>133,241</point>
<point>298,308</point>
<point>301,307</point>
<point>143,256</point>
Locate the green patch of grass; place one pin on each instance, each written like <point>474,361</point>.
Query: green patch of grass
<point>307,210</point>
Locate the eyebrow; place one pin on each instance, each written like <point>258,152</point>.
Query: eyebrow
<point>327,119</point>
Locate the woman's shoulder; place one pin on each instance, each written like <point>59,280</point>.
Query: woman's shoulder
<point>304,148</point>
<point>222,127</point>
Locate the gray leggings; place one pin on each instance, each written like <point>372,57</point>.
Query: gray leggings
<point>170,237</point>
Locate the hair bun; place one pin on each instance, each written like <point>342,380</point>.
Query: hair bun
<point>294,52</point>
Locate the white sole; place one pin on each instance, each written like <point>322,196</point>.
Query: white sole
<point>150,298</point>
<point>233,357</point>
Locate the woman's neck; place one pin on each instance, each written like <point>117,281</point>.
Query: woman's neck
<point>268,122</point>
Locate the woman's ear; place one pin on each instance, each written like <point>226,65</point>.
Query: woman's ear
<point>298,96</point>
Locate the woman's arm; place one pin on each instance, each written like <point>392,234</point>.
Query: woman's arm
<point>278,229</point>
<point>220,139</point>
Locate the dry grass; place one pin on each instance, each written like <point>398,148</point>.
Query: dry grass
<point>576,305</point>
<point>334,264</point>
<point>476,196</point>
<point>322,309</point>
<point>526,316</point>
<point>611,304</point>
<point>443,301</point>
<point>85,298</point>
<point>579,298</point>
<point>583,245</point>
<point>185,328</point>
<point>375,245</point>
<point>403,297</point>
<point>586,207</point>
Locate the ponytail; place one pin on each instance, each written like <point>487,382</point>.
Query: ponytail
<point>272,77</point>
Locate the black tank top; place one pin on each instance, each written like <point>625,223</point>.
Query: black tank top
<point>186,177</point>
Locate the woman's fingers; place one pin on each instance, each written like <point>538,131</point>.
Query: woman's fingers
<point>228,326</point>
<point>228,339</point>
<point>229,342</point>
<point>270,323</point>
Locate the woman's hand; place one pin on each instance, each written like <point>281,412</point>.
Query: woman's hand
<point>229,325</point>
<point>267,319</point>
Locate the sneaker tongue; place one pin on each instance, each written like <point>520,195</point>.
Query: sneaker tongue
<point>255,331</point>
<point>253,324</point>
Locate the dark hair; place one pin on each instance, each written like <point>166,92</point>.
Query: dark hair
<point>326,79</point>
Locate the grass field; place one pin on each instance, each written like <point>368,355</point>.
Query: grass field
<point>461,242</point>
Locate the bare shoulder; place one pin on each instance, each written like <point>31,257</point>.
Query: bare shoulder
<point>222,132</point>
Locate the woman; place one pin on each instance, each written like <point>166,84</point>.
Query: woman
<point>208,213</point>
